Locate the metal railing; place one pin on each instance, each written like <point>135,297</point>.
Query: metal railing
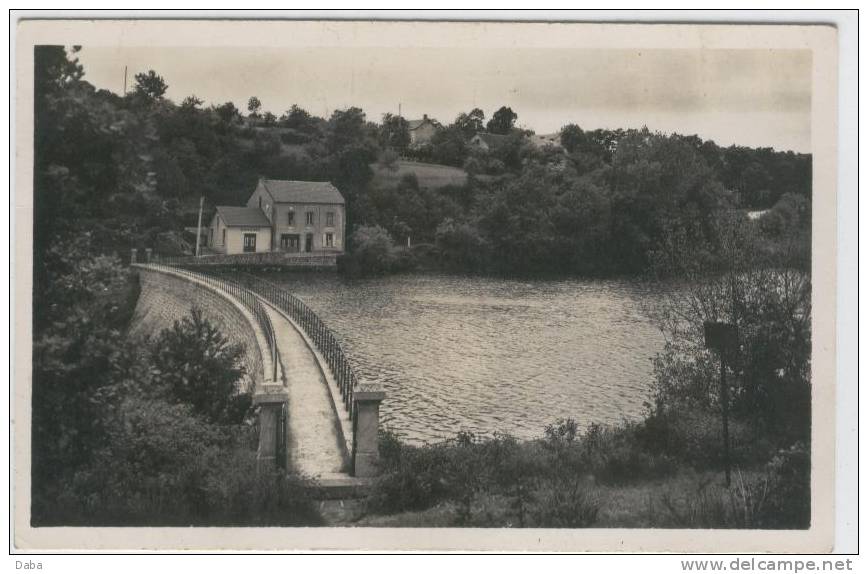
<point>317,331</point>
<point>318,258</point>
<point>242,294</point>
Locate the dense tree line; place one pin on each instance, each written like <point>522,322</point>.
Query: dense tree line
<point>600,204</point>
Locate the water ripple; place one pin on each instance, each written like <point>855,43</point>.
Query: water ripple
<point>486,355</point>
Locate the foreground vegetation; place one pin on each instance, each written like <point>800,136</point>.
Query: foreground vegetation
<point>605,477</point>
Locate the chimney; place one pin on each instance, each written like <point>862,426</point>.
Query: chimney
<point>425,117</point>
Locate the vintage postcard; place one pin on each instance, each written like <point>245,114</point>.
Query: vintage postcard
<point>418,285</point>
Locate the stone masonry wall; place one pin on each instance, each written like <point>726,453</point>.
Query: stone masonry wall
<point>166,298</point>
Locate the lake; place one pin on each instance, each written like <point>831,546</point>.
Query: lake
<point>485,354</point>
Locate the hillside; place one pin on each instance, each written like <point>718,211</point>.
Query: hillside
<point>429,175</point>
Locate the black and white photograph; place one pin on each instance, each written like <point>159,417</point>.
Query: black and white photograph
<point>429,275</point>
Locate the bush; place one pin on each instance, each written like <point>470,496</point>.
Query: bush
<point>488,482</point>
<point>373,252</point>
<point>164,466</point>
<point>789,477</point>
<point>778,498</point>
<point>195,363</point>
<point>621,455</point>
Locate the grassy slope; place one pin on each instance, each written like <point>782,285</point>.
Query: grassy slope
<point>429,175</point>
<point>641,504</point>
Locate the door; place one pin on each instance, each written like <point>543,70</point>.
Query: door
<point>308,242</point>
<point>289,242</point>
<point>249,243</point>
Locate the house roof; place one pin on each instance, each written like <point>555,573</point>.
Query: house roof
<point>416,124</point>
<point>242,216</point>
<point>285,191</point>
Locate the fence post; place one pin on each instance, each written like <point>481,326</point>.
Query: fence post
<point>148,252</point>
<point>366,426</point>
<point>133,255</point>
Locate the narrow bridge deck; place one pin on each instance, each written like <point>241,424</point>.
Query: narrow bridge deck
<point>314,438</point>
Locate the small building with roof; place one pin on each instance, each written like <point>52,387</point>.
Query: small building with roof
<point>422,131</point>
<point>282,216</point>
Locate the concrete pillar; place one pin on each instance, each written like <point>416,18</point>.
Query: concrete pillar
<point>272,450</point>
<point>366,426</point>
<point>147,255</point>
<point>269,434</point>
<point>133,255</point>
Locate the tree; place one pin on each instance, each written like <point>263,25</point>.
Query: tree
<point>346,127</point>
<point>297,118</point>
<point>573,137</point>
<point>502,121</point>
<point>394,132</point>
<point>150,85</point>
<point>197,365</point>
<point>269,119</point>
<point>54,70</point>
<point>470,123</point>
<point>449,147</point>
<point>728,278</point>
<point>373,250</point>
<point>191,102</point>
<point>228,113</point>
<point>253,106</point>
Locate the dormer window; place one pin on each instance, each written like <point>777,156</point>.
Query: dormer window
<point>330,219</point>
<point>309,219</point>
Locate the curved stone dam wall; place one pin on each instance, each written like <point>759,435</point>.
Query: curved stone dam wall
<point>166,298</point>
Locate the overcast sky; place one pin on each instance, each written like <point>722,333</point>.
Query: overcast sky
<point>746,97</point>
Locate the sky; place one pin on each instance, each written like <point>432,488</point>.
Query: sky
<point>758,98</point>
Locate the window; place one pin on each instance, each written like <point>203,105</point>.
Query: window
<point>211,237</point>
<point>249,242</point>
<point>290,218</point>
<point>309,219</point>
<point>330,219</point>
<point>289,242</point>
<point>224,237</point>
<point>329,239</point>
<point>260,202</point>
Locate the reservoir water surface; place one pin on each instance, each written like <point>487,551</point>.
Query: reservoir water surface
<point>489,355</point>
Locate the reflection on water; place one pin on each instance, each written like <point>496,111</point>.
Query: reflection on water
<point>486,354</point>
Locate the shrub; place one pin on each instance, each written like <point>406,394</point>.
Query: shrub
<point>789,476</point>
<point>373,252</point>
<point>165,466</point>
<point>196,364</point>
<point>564,505</point>
<point>620,455</point>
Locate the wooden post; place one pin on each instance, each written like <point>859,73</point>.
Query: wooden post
<point>724,399</point>
<point>199,225</point>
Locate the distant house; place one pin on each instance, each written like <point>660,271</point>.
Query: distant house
<point>484,141</point>
<point>421,131</point>
<point>284,216</point>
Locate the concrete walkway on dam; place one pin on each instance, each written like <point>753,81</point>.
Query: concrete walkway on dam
<point>314,438</point>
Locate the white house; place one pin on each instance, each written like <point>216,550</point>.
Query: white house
<point>285,216</point>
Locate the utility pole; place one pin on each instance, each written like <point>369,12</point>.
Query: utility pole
<point>125,80</point>
<point>199,225</point>
<point>399,109</point>
<point>723,338</point>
